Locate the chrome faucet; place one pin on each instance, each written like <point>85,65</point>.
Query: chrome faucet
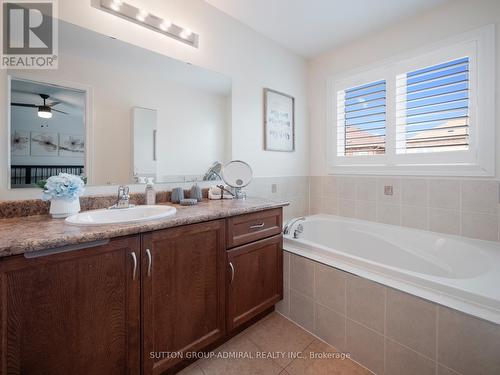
<point>123,200</point>
<point>291,223</point>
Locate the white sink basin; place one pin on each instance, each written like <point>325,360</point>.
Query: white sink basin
<point>134,214</point>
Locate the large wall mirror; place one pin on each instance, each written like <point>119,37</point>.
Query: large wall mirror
<point>114,112</point>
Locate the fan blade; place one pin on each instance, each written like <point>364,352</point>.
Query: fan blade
<point>53,104</point>
<point>24,105</point>
<point>56,110</point>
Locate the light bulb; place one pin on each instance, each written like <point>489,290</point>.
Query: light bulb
<point>142,15</point>
<point>116,4</point>
<point>165,25</point>
<point>186,33</point>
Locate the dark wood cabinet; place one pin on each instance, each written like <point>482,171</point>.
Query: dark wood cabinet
<point>72,313</point>
<point>247,228</point>
<point>131,305</point>
<point>183,285</point>
<point>255,279</point>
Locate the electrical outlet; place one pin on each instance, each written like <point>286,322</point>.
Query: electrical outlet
<point>388,190</point>
<point>274,188</point>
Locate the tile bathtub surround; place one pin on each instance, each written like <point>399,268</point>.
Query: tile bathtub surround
<point>466,207</point>
<point>293,189</point>
<point>388,331</point>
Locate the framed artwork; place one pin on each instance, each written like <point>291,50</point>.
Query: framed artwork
<point>279,121</point>
<point>71,145</point>
<point>44,144</point>
<point>20,143</point>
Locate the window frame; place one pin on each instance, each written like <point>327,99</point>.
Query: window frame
<point>479,160</point>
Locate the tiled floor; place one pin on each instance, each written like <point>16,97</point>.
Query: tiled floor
<point>275,334</point>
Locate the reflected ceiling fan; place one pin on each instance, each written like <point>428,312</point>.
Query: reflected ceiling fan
<point>45,110</point>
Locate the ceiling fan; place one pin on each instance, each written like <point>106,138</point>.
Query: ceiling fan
<point>45,110</point>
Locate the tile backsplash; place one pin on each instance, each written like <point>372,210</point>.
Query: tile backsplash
<point>455,206</point>
<point>294,189</point>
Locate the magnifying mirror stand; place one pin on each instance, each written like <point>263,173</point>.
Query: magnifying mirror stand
<point>239,193</point>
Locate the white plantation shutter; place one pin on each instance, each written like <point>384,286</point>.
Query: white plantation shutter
<point>432,108</point>
<point>361,119</point>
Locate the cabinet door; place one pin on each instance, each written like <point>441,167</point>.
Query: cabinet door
<point>255,280</point>
<point>183,292</point>
<point>72,313</point>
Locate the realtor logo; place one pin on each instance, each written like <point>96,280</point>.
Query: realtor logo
<point>29,34</point>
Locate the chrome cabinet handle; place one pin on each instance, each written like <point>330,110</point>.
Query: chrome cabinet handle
<point>257,225</point>
<point>134,262</point>
<point>232,272</point>
<point>150,261</point>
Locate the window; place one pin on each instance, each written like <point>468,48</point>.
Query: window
<point>361,120</point>
<point>431,113</point>
<point>432,108</point>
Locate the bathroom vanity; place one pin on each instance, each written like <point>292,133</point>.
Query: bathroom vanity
<point>138,302</point>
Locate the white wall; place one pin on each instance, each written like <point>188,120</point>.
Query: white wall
<point>227,46</point>
<point>453,18</point>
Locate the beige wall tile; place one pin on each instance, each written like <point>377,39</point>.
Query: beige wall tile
<point>302,310</point>
<point>444,194</point>
<point>414,191</point>
<point>395,198</point>
<point>366,188</point>
<point>286,268</point>
<point>346,207</point>
<point>330,285</point>
<point>444,221</point>
<point>346,187</point>
<point>412,322</point>
<point>366,210</point>
<point>414,217</point>
<point>389,214</point>
<point>366,302</point>
<point>366,346</point>
<point>302,275</point>
<point>330,186</point>
<point>329,205</point>
<point>316,205</point>
<point>316,186</point>
<point>482,226</point>
<point>480,196</point>
<point>283,306</point>
<point>330,326</point>
<point>467,344</point>
<point>400,360</point>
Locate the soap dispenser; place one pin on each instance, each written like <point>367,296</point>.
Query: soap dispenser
<point>150,192</point>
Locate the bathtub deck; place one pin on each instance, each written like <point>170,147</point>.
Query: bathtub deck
<point>275,334</point>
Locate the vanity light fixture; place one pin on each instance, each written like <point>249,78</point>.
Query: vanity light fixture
<point>142,17</point>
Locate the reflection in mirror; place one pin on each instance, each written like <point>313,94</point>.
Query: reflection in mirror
<point>141,114</point>
<point>47,131</point>
<point>144,123</point>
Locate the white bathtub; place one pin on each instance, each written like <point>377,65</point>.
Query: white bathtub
<point>457,272</point>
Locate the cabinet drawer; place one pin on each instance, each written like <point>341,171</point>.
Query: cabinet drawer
<point>244,229</point>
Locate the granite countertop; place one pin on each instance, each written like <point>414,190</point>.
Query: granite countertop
<point>40,232</point>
